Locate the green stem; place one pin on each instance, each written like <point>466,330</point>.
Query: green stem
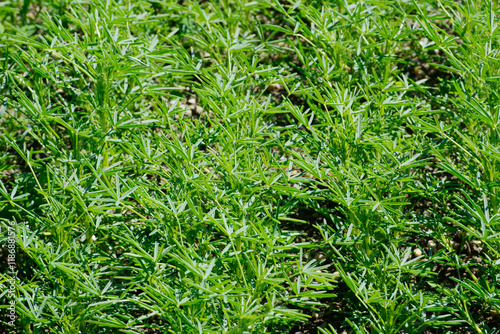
<point>104,128</point>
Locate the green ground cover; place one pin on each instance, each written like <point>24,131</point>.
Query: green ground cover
<point>244,166</point>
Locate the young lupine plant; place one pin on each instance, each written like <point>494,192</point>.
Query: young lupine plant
<point>250,166</point>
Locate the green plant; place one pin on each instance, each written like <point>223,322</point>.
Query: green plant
<point>244,167</point>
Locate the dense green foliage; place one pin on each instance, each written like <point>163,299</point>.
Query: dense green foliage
<point>251,166</point>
